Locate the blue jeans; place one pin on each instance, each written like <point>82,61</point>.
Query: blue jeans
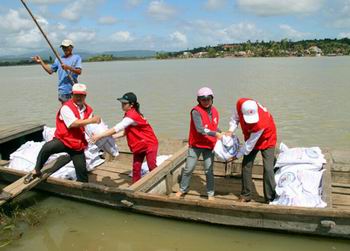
<point>64,97</point>
<point>191,161</point>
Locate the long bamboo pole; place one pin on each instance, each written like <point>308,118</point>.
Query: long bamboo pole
<point>48,41</point>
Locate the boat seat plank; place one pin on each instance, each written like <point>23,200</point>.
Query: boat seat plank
<point>4,162</point>
<point>342,199</point>
<point>18,187</point>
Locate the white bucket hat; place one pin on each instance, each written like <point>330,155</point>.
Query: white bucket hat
<point>66,43</point>
<point>250,111</point>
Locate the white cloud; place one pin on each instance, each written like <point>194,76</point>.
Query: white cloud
<point>107,20</point>
<point>18,33</point>
<point>241,32</point>
<point>339,13</point>
<point>210,33</point>
<point>133,3</point>
<point>122,36</point>
<point>279,7</point>
<point>291,33</point>
<point>74,11</point>
<point>60,27</point>
<point>215,4</point>
<point>81,36</point>
<point>342,22</point>
<point>178,38</point>
<point>161,11</point>
<point>344,35</point>
<point>13,21</point>
<point>28,39</point>
<point>47,1</point>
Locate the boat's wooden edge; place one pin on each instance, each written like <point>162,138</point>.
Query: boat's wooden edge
<point>247,207</point>
<point>161,171</point>
<point>324,221</point>
<point>135,195</point>
<point>327,180</point>
<point>9,134</point>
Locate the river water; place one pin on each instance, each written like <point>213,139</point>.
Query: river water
<point>308,98</point>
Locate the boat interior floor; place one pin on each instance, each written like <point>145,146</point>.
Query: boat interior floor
<point>115,173</point>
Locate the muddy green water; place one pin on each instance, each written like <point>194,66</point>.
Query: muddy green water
<point>307,96</point>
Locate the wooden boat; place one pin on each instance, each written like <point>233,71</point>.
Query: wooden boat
<point>110,185</point>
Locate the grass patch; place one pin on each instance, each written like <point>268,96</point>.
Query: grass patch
<point>15,220</point>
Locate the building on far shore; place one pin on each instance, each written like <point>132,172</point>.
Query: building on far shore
<point>228,47</point>
<point>201,54</point>
<point>314,50</point>
<point>187,54</point>
<point>241,54</point>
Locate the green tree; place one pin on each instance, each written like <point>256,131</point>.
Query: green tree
<point>212,53</point>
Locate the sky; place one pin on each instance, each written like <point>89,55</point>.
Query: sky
<point>167,25</point>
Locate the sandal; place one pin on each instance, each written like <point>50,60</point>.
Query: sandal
<point>30,177</point>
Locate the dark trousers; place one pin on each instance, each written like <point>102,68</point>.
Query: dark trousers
<point>269,176</point>
<point>56,146</point>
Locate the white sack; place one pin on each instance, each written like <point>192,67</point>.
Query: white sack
<point>227,147</point>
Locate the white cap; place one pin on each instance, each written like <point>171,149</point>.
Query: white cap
<point>79,89</point>
<point>67,42</point>
<point>250,111</point>
<point>204,91</point>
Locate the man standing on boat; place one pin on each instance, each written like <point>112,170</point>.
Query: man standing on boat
<point>69,137</point>
<point>71,64</point>
<point>202,138</point>
<point>260,134</point>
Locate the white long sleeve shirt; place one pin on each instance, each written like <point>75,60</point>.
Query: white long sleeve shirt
<point>124,124</point>
<point>250,143</point>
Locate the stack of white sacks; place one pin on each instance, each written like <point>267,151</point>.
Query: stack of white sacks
<point>299,177</point>
<point>24,158</point>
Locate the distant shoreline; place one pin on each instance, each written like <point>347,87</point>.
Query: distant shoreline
<point>28,63</point>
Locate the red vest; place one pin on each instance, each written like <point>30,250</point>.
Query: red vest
<point>139,136</point>
<point>269,137</point>
<point>199,140</point>
<point>74,138</point>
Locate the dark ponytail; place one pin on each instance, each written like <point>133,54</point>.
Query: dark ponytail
<point>137,108</point>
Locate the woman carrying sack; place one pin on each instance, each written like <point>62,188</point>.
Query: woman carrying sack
<point>139,134</point>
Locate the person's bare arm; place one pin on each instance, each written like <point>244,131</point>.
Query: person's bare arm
<point>46,67</point>
<point>119,134</point>
<point>96,137</point>
<point>71,69</point>
<point>84,122</point>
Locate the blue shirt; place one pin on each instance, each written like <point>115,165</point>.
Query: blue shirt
<point>64,83</point>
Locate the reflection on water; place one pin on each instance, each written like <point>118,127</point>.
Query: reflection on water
<point>307,96</point>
